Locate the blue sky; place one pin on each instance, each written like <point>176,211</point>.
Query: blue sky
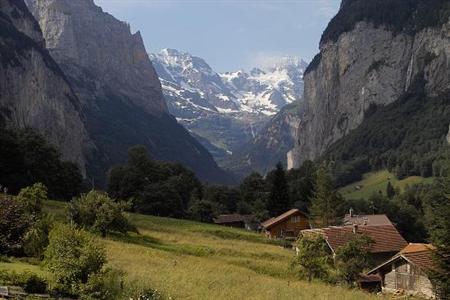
<point>228,34</point>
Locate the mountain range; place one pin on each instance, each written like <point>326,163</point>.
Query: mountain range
<point>84,81</point>
<point>226,111</point>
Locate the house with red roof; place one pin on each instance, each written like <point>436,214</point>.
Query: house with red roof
<point>387,241</point>
<point>406,272</point>
<point>287,225</point>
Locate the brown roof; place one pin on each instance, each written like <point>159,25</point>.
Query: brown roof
<point>385,238</point>
<point>276,220</point>
<point>420,255</point>
<point>231,218</point>
<point>366,220</point>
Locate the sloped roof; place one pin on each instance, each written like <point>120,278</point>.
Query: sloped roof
<point>366,220</point>
<point>276,220</point>
<point>385,238</point>
<point>420,255</point>
<point>231,218</point>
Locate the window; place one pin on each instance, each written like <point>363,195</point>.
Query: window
<point>295,219</point>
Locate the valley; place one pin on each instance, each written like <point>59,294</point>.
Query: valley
<point>231,169</point>
<point>227,111</point>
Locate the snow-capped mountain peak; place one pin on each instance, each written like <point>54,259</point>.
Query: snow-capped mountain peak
<point>225,109</point>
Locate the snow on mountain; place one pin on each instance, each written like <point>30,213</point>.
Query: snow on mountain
<point>225,109</point>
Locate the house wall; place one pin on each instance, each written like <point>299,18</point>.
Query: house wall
<point>234,224</point>
<point>289,228</point>
<point>404,276</point>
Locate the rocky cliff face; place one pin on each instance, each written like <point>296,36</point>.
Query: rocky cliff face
<point>370,55</point>
<point>34,91</point>
<point>82,38</point>
<point>120,92</point>
<point>270,145</point>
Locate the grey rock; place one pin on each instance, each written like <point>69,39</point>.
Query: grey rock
<point>112,75</point>
<point>366,66</point>
<point>34,91</point>
<point>84,39</point>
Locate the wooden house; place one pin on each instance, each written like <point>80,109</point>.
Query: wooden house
<point>237,221</point>
<point>387,241</point>
<point>287,225</point>
<point>406,272</point>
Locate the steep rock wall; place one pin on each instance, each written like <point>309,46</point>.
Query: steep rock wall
<point>367,65</point>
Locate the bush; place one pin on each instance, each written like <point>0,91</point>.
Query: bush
<point>30,282</point>
<point>32,198</point>
<point>313,258</point>
<point>72,256</point>
<point>104,285</point>
<point>36,239</point>
<point>150,294</point>
<point>14,223</point>
<point>352,258</point>
<point>99,213</point>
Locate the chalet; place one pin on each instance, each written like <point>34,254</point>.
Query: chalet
<point>237,221</point>
<point>287,225</point>
<point>406,272</point>
<point>387,241</point>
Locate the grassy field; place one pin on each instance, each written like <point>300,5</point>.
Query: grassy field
<point>377,181</point>
<point>190,260</point>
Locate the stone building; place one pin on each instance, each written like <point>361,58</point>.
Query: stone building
<point>407,272</point>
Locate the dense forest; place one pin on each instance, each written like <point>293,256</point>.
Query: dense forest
<point>26,158</point>
<point>406,137</point>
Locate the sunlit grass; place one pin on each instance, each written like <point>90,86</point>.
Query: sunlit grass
<point>375,182</point>
<point>190,260</point>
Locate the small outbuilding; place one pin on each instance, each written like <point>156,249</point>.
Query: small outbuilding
<point>287,225</point>
<point>407,272</point>
<point>237,221</point>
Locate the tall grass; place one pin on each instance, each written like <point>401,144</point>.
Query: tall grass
<point>190,260</point>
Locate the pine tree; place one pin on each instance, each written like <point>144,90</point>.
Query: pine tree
<point>278,201</point>
<point>437,214</point>
<point>390,192</point>
<point>325,200</point>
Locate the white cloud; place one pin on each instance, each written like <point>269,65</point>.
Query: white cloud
<point>265,60</point>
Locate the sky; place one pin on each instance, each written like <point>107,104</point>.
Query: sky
<point>228,34</point>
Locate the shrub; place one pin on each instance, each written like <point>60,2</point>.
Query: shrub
<point>104,285</point>
<point>72,256</point>
<point>30,282</point>
<point>36,239</point>
<point>150,294</point>
<point>352,258</point>
<point>99,213</point>
<point>313,258</point>
<point>31,198</point>
<point>13,225</point>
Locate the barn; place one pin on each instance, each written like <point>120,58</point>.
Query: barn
<point>237,221</point>
<point>406,272</point>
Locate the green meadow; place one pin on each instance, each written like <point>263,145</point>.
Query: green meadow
<point>377,181</point>
<point>190,260</point>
